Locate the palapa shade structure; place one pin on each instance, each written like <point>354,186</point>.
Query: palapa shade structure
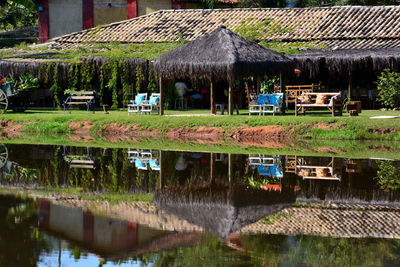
<point>343,63</point>
<point>221,55</point>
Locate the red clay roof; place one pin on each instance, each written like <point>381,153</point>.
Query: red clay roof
<point>342,27</point>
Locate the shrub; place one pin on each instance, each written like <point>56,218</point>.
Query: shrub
<point>388,176</point>
<point>389,88</point>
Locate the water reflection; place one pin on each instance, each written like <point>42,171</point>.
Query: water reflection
<point>41,233</point>
<point>146,171</point>
<point>224,194</point>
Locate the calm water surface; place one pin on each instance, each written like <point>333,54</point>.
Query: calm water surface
<point>203,210</point>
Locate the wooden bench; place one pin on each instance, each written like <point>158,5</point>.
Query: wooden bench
<point>80,98</point>
<point>333,103</point>
<point>293,91</point>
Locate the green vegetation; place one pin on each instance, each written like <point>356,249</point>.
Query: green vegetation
<point>346,149</point>
<point>271,219</point>
<point>113,198</point>
<point>112,50</point>
<point>315,125</point>
<point>388,176</point>
<point>389,89</point>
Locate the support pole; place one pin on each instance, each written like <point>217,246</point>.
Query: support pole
<point>282,85</point>
<point>350,85</point>
<point>230,99</point>
<point>212,167</point>
<point>161,97</point>
<point>258,85</point>
<point>229,167</point>
<point>212,97</point>
<point>162,172</point>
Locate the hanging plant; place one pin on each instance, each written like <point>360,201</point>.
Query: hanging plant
<point>153,82</point>
<point>41,72</point>
<point>113,83</point>
<point>47,76</point>
<point>139,78</point>
<point>126,82</point>
<point>76,77</point>
<point>56,87</point>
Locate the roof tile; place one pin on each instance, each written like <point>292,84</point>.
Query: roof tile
<point>344,27</point>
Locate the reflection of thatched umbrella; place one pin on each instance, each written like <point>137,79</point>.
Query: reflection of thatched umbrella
<point>220,55</point>
<point>222,210</point>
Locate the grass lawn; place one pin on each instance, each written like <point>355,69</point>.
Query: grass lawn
<point>345,127</point>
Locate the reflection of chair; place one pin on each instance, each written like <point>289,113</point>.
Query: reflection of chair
<point>328,172</point>
<point>79,161</point>
<point>353,166</point>
<point>140,164</point>
<point>267,165</point>
<point>270,170</point>
<point>220,157</point>
<point>143,157</point>
<point>153,165</point>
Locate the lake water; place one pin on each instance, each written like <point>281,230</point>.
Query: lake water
<point>195,208</point>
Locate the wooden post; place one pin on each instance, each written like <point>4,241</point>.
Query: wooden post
<point>229,167</point>
<point>230,99</point>
<point>161,97</point>
<point>212,167</point>
<point>212,97</point>
<point>162,178</point>
<point>350,85</point>
<point>282,85</point>
<point>258,81</point>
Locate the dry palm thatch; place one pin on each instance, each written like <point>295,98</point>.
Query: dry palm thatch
<point>221,55</point>
<point>341,62</point>
<point>222,210</point>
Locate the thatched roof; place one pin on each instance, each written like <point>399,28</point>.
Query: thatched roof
<point>222,54</point>
<point>351,27</point>
<point>340,62</point>
<point>222,210</point>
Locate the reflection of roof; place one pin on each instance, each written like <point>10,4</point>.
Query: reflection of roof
<point>343,221</point>
<point>344,27</point>
<point>167,242</point>
<point>222,210</point>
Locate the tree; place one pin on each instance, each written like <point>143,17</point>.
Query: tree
<point>17,13</point>
<point>389,88</point>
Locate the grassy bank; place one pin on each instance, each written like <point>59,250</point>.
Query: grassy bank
<point>323,148</point>
<point>315,125</point>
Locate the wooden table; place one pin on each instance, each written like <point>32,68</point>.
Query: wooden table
<point>353,107</point>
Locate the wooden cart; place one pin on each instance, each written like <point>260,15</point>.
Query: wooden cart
<point>12,98</point>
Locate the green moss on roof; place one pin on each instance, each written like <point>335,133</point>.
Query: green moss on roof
<point>146,50</point>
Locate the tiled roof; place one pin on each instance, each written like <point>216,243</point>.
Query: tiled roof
<point>342,27</point>
<point>358,221</point>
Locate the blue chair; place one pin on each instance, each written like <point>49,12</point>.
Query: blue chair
<point>152,105</point>
<point>136,105</point>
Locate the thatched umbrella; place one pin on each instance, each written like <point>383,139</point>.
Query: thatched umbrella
<point>221,55</point>
<point>220,209</point>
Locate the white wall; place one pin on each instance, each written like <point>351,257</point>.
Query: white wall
<point>65,17</point>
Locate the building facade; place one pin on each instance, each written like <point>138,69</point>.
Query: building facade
<point>59,17</point>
